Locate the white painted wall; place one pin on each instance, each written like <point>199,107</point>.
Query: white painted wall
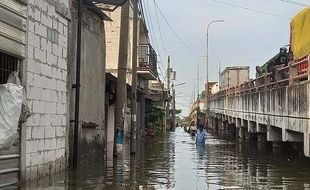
<point>46,84</point>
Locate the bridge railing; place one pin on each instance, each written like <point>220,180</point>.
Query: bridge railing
<point>282,75</point>
<point>299,69</point>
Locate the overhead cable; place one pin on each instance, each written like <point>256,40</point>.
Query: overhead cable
<point>160,34</point>
<point>250,9</point>
<point>152,33</point>
<point>295,3</point>
<point>171,28</point>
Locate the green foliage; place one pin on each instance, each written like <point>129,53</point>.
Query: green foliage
<point>154,116</point>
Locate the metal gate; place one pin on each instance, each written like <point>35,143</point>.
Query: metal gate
<point>13,25</point>
<point>9,159</point>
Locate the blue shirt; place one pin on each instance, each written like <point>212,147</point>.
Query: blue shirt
<point>201,136</point>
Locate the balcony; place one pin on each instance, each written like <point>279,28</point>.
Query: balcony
<point>147,62</point>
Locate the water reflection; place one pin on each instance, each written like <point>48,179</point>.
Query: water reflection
<point>175,162</point>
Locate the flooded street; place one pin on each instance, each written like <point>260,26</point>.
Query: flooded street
<point>175,162</point>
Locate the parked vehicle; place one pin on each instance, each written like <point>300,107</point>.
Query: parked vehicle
<point>234,76</point>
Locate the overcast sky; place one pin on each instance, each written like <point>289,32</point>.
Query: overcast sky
<point>246,38</point>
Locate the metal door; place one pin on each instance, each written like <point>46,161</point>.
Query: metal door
<point>9,159</point>
<point>13,25</point>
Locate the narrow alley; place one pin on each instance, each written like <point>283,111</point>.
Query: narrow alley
<point>154,94</point>
<point>175,162</point>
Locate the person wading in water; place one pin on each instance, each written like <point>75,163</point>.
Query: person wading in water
<point>201,135</point>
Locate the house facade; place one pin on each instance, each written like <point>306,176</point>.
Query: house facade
<point>38,39</point>
<point>146,70</point>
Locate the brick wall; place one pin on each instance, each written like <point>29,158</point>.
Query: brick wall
<point>45,133</point>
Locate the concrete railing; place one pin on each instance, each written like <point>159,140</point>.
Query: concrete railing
<point>294,72</point>
<point>284,109</point>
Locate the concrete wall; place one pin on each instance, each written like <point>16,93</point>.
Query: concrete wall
<point>112,41</point>
<point>44,137</point>
<point>112,36</point>
<point>92,97</point>
<point>284,108</point>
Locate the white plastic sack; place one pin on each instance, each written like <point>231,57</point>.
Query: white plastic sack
<point>11,99</point>
<point>25,113</point>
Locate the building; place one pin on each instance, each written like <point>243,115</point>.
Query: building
<point>34,41</point>
<point>39,40</point>
<point>146,68</point>
<point>91,133</point>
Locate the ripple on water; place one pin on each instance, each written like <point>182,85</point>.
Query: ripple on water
<point>175,162</point>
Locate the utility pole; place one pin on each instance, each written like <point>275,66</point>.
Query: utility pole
<point>197,93</point>
<point>168,87</point>
<point>173,108</point>
<point>121,94</point>
<point>219,71</point>
<point>134,78</point>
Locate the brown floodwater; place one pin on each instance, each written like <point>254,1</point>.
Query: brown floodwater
<point>175,162</point>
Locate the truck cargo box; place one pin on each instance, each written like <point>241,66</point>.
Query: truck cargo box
<point>234,76</point>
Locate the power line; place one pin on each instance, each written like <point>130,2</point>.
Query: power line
<point>160,34</point>
<point>174,32</point>
<point>152,33</point>
<point>250,9</point>
<point>295,3</point>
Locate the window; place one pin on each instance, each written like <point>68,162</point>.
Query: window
<point>8,64</point>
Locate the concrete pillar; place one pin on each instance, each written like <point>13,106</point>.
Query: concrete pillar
<point>261,137</point>
<point>229,120</point>
<point>251,127</point>
<point>306,144</point>
<point>243,123</point>
<point>232,129</point>
<point>224,127</point>
<point>238,122</point>
<point>241,133</point>
<point>274,134</point>
<point>260,128</point>
<point>292,136</point>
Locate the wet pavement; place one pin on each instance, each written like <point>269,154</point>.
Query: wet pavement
<point>175,162</point>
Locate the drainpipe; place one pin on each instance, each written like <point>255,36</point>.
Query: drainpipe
<point>77,86</point>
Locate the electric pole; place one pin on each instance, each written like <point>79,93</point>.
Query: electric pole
<point>197,94</point>
<point>173,109</point>
<point>121,94</point>
<point>219,72</point>
<point>168,87</point>
<point>134,78</point>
